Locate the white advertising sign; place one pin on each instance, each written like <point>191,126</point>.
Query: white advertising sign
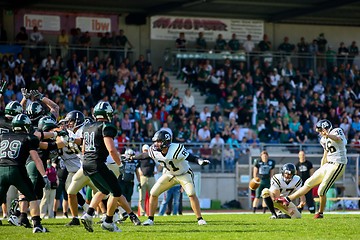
<point>168,28</point>
<point>93,24</point>
<point>43,22</point>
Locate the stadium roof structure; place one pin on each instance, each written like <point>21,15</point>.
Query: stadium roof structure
<point>326,12</point>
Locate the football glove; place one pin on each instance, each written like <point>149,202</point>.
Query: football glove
<point>3,84</point>
<point>62,133</point>
<point>25,93</point>
<point>37,94</point>
<point>47,182</point>
<point>203,162</point>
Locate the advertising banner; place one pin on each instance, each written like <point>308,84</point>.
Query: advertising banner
<point>169,27</point>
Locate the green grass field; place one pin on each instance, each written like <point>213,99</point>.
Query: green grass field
<point>220,226</point>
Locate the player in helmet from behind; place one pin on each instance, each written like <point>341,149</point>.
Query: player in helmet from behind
<point>17,145</point>
<point>98,144</point>
<point>333,164</point>
<point>174,158</point>
<point>283,184</point>
<point>12,109</point>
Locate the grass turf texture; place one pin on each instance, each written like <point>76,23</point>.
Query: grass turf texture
<point>220,226</point>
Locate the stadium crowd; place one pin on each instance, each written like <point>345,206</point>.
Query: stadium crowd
<point>287,101</point>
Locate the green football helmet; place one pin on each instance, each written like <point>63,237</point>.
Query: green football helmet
<point>47,123</point>
<point>35,111</point>
<point>12,109</point>
<point>21,123</point>
<point>103,110</point>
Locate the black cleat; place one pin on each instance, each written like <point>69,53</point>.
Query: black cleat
<point>73,222</point>
<point>25,222</point>
<point>135,220</point>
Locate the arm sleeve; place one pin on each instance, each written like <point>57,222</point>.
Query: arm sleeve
<point>33,142</point>
<point>109,130</point>
<point>192,158</point>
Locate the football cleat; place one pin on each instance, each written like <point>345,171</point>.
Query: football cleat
<point>273,216</point>
<point>124,216</point>
<point>135,220</point>
<point>40,229</point>
<point>111,227</point>
<point>73,222</point>
<point>117,218</point>
<point>25,222</point>
<point>318,215</point>
<point>87,220</point>
<point>13,220</point>
<point>202,222</point>
<point>283,216</point>
<point>148,222</point>
<point>283,201</point>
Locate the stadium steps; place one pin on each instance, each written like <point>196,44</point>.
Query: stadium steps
<point>199,100</point>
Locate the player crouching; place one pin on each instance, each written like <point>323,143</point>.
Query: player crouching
<point>283,184</point>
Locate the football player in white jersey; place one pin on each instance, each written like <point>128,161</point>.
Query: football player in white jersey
<point>333,165</point>
<point>174,158</point>
<point>283,184</point>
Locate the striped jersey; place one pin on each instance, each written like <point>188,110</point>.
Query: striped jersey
<point>336,150</point>
<point>278,183</point>
<point>174,160</point>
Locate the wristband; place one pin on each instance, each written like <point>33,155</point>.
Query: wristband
<point>42,135</point>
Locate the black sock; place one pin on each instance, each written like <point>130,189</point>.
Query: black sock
<point>264,209</point>
<point>23,215</point>
<point>270,204</point>
<point>36,221</point>
<point>254,209</point>
<point>109,219</point>
<point>80,199</point>
<point>132,215</point>
<point>54,214</point>
<point>117,210</point>
<point>151,218</point>
<point>199,218</point>
<point>91,211</point>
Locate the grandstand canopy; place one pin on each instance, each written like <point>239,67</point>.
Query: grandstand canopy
<point>329,12</point>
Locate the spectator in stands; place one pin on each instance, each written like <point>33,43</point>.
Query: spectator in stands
<point>248,44</point>
<point>63,41</point>
<point>353,52</point>
<point>229,158</point>
<point>301,135</point>
<point>321,41</point>
<point>286,47</point>
<point>37,40</point>
<point>303,52</point>
<point>121,41</point>
<point>204,134</point>
<point>265,45</point>
<point>22,37</point>
<point>200,43</point>
<point>188,99</point>
<point>142,65</point>
<point>220,44</point>
<point>216,144</point>
<point>342,54</point>
<point>107,43</point>
<point>234,44</point>
<point>204,114</point>
<point>180,42</point>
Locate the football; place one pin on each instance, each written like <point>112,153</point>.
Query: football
<point>254,183</point>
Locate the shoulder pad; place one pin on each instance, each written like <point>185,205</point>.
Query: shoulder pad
<point>109,130</point>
